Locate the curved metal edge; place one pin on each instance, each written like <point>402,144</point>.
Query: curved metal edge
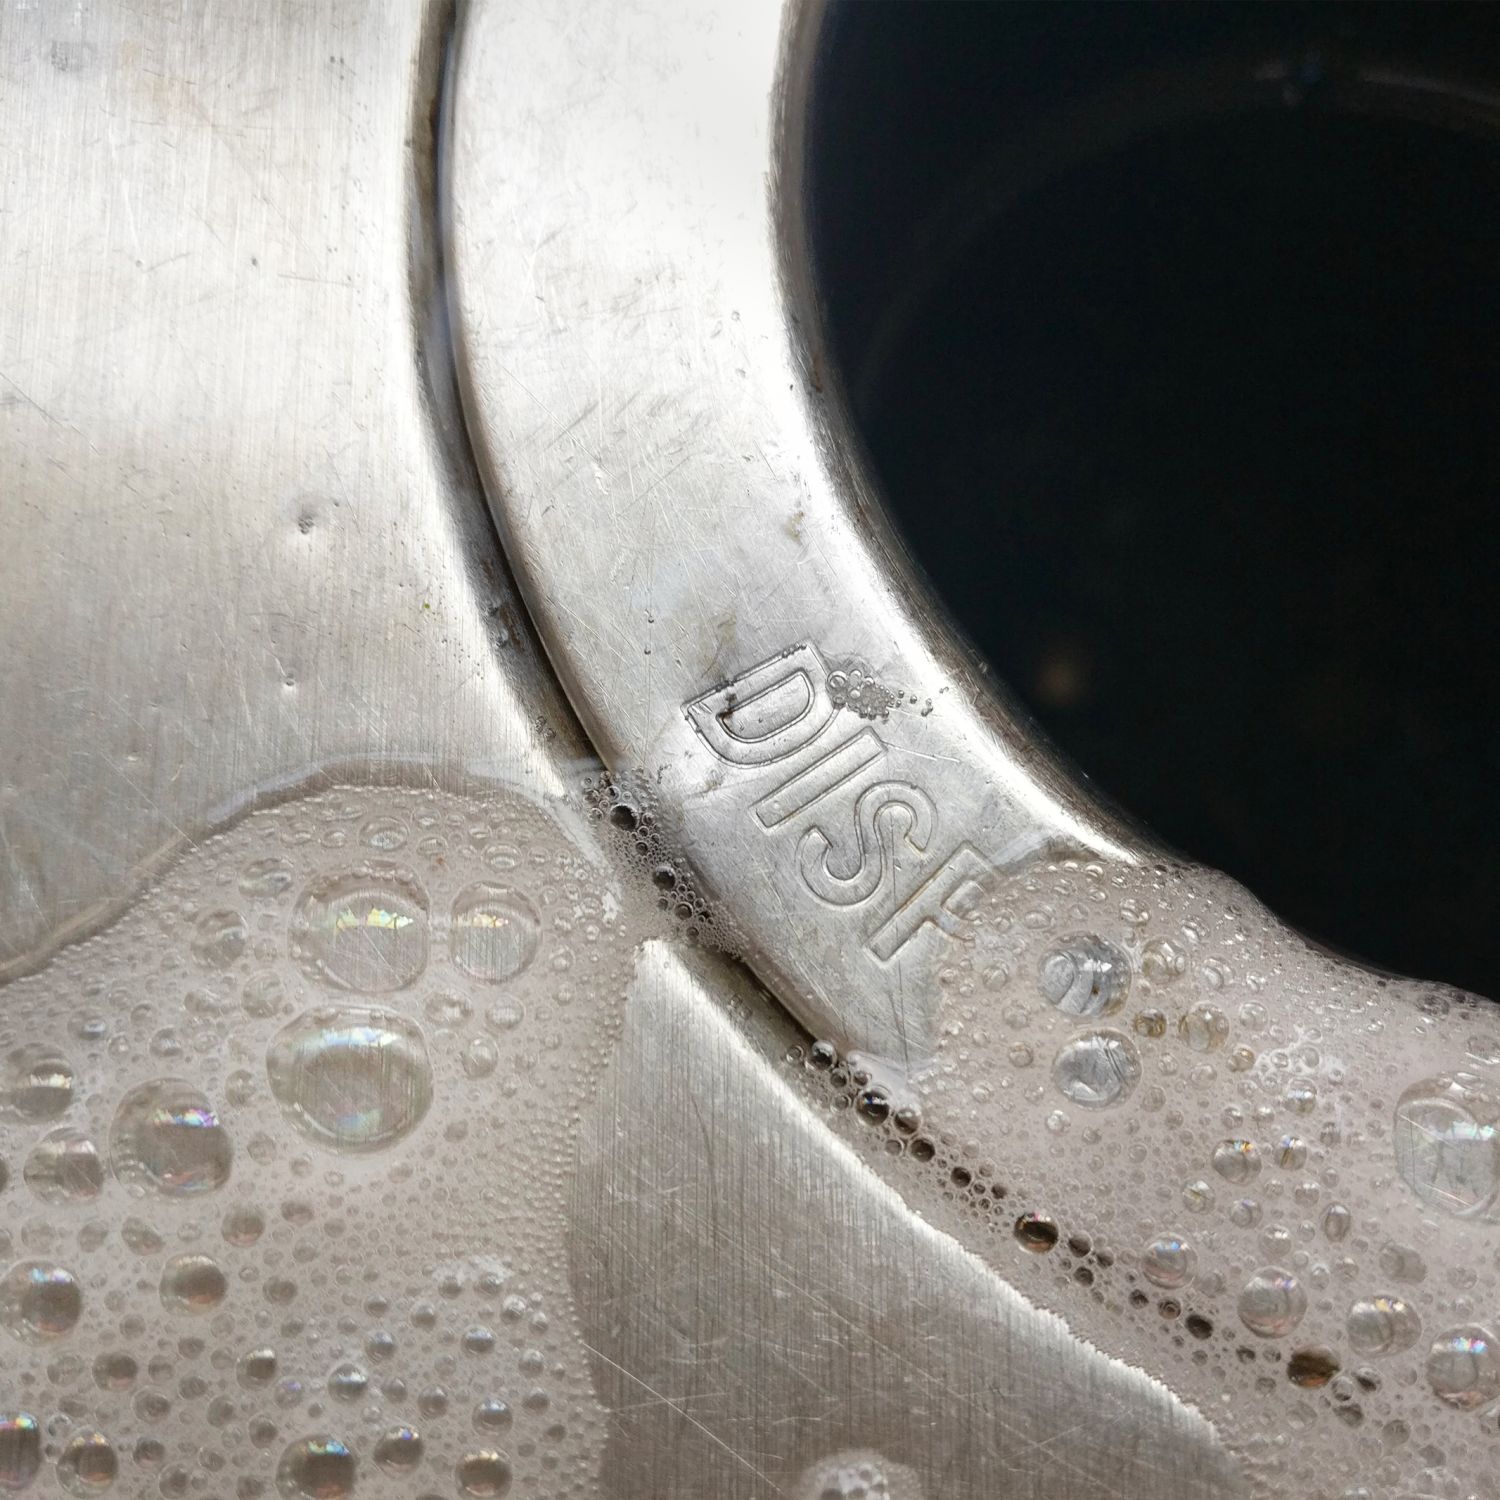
<point>707,565</point>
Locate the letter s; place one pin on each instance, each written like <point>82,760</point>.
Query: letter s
<point>880,804</point>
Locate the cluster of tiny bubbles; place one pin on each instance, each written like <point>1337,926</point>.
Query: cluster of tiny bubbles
<point>856,1475</point>
<point>1262,1175</point>
<point>625,806</point>
<point>284,1156</point>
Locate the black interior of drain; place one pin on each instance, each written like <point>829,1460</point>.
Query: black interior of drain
<point>1174,336</point>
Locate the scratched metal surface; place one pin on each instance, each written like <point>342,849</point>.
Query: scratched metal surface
<point>246,549</point>
<point>682,502</point>
<point>242,541</point>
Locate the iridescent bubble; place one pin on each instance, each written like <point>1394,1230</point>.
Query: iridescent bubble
<point>1462,1367</point>
<point>219,937</point>
<point>484,1474</point>
<point>1382,1325</point>
<point>1448,1145</point>
<point>20,1450</point>
<point>87,1464</point>
<point>64,1167</point>
<point>1169,1262</point>
<point>1097,1069</point>
<point>39,1301</point>
<point>316,1468</point>
<point>1272,1303</point>
<point>354,1079</point>
<point>1236,1160</point>
<point>399,1450</point>
<point>36,1083</point>
<point>1085,975</point>
<point>167,1139</point>
<point>494,933</point>
<point>364,931</point>
<point>193,1284</point>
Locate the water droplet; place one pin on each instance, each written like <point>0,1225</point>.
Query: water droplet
<point>39,1301</point>
<point>492,1415</point>
<point>1236,1160</point>
<point>243,1226</point>
<point>1462,1367</point>
<point>316,1468</point>
<point>20,1449</point>
<point>1150,1023</point>
<point>115,1371</point>
<point>192,1284</point>
<point>363,931</point>
<point>506,1015</point>
<point>1448,1145</point>
<point>1382,1325</point>
<point>1337,1222</point>
<point>87,1464</point>
<point>1036,1232</point>
<point>485,1474</point>
<point>1097,1069</point>
<point>1301,1096</point>
<point>255,1368</point>
<point>219,937</point>
<point>140,1238</point>
<point>263,995</point>
<point>495,932</point>
<point>1085,976</point>
<point>1163,961</point>
<point>1312,1368</point>
<point>351,1078</point>
<point>384,834</point>
<point>265,877</point>
<point>1291,1152</point>
<point>480,1057</point>
<point>348,1382</point>
<point>398,1451</point>
<point>64,1167</point>
<point>167,1138</point>
<point>1272,1303</point>
<point>1169,1262</point>
<point>37,1083</point>
<point>1401,1262</point>
<point>1205,1028</point>
<point>1198,1196</point>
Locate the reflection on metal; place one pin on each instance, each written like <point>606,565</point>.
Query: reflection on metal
<point>247,550</point>
<point>672,480</point>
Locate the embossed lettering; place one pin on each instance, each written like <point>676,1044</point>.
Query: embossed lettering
<point>821,777</point>
<point>768,712</point>
<point>879,808</point>
<point>939,900</point>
